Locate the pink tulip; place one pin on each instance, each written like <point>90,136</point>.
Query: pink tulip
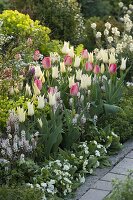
<point>88,66</point>
<point>85,53</point>
<point>38,83</point>
<point>52,90</point>
<point>46,62</point>
<point>112,68</point>
<point>74,89</point>
<point>67,60</point>
<point>36,55</point>
<point>96,69</point>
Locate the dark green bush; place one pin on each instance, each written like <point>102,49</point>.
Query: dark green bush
<point>122,122</point>
<point>19,193</point>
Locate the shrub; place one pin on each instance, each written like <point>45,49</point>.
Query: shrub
<point>122,190</point>
<point>21,193</point>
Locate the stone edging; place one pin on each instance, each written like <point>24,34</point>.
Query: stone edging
<point>99,173</point>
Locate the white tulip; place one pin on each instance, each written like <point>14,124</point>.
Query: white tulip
<point>30,108</point>
<point>112,59</point>
<point>104,55</point>
<point>71,52</point>
<point>38,71</point>
<point>21,114</point>
<point>102,68</point>
<point>123,64</point>
<point>77,61</point>
<point>55,72</point>
<point>41,102</point>
<point>40,122</point>
<point>78,74</point>
<point>85,81</point>
<point>62,67</point>
<point>90,57</point>
<point>71,81</point>
<point>65,48</point>
<point>28,90</point>
<point>52,99</point>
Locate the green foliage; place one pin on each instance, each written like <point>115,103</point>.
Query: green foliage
<point>60,16</point>
<point>51,133</point>
<point>122,189</point>
<point>21,193</point>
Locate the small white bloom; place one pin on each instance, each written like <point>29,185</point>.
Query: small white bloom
<point>21,114</point>
<point>71,52</point>
<point>55,72</point>
<point>93,25</point>
<point>78,74</point>
<point>41,102</point>
<point>30,108</point>
<point>108,25</point>
<point>40,122</point>
<point>65,48</point>
<point>120,4</point>
<point>77,61</point>
<point>97,153</point>
<point>98,34</point>
<point>71,81</point>
<point>123,64</point>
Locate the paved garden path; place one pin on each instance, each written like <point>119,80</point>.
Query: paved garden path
<point>98,186</point>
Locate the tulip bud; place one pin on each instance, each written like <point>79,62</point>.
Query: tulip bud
<point>28,90</point>
<point>36,55</point>
<point>40,122</point>
<point>90,57</point>
<point>112,59</point>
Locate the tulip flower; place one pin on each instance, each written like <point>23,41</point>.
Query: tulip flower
<point>62,67</point>
<point>40,122</point>
<point>52,90</point>
<point>90,57</point>
<point>36,90</point>
<point>46,62</point>
<point>123,64</point>
<point>38,83</point>
<point>85,54</point>
<point>88,66</point>
<point>96,69</point>
<point>21,114</point>
<point>71,81</point>
<point>38,71</point>
<point>30,109</point>
<point>77,61</point>
<point>71,52</point>
<point>36,55</point>
<point>78,74</point>
<point>112,68</point>
<point>55,72</point>
<point>65,48</point>
<point>32,70</point>
<point>28,90</point>
<point>85,81</point>
<point>112,58</point>
<point>52,99</point>
<point>102,68</point>
<point>67,60</point>
<point>104,55</point>
<point>41,102</point>
<point>74,89</point>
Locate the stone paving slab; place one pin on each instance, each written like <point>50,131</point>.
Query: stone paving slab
<point>103,185</point>
<point>94,194</point>
<point>87,190</point>
<point>110,176</point>
<point>130,155</point>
